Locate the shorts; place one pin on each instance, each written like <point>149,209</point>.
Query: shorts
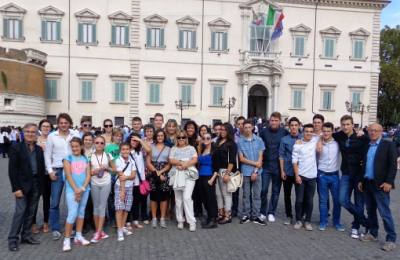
<point>125,204</point>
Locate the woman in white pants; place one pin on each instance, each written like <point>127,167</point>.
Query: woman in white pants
<point>183,158</point>
<point>224,163</point>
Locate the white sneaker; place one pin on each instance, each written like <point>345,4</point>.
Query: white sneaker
<point>154,223</point>
<point>180,225</point>
<point>192,227</point>
<point>67,245</point>
<point>127,232</point>
<point>146,222</point>
<point>354,233</point>
<point>271,218</point>
<point>81,241</point>
<point>163,224</point>
<point>298,225</point>
<point>120,236</point>
<point>263,217</point>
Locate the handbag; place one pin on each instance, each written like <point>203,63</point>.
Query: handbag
<point>235,178</point>
<point>144,185</point>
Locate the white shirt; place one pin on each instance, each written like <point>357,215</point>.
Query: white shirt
<point>305,155</point>
<point>57,148</point>
<point>139,163</point>
<point>329,158</point>
<point>96,161</point>
<point>120,164</point>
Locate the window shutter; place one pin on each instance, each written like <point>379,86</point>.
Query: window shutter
<point>89,90</point>
<point>148,37</point>
<point>215,93</point>
<point>212,40</point>
<point>94,38</point>
<point>161,38</point>
<point>58,31</point>
<point>20,34</point>
<point>181,32</point>
<point>80,32</point>
<point>44,33</point>
<point>122,91</point>
<point>157,94</point>
<point>113,34</point>
<point>126,29</point>
<point>5,28</point>
<point>194,40</point>
<point>116,92</point>
<point>225,41</point>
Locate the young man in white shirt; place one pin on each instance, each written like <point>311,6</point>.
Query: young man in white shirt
<point>57,148</point>
<point>328,178</point>
<point>305,171</point>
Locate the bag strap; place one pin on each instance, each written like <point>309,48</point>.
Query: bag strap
<point>137,168</point>
<point>159,154</point>
<point>126,166</point>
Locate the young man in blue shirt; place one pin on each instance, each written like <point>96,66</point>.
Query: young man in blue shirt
<point>251,149</point>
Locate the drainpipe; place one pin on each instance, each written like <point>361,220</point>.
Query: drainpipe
<point>314,52</point>
<point>202,57</point>
<point>69,55</point>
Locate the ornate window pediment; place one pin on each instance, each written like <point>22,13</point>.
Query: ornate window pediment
<point>187,22</point>
<point>86,14</point>
<point>250,4</point>
<point>120,16</point>
<point>155,20</point>
<point>331,31</point>
<point>360,33</point>
<point>11,9</point>
<point>219,24</point>
<point>300,29</point>
<point>51,11</point>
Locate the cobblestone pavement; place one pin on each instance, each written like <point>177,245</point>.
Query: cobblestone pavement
<point>232,241</point>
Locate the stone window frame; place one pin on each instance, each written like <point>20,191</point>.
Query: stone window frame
<point>155,21</point>
<point>87,16</point>
<point>213,83</point>
<point>187,81</point>
<point>327,87</point>
<point>297,86</point>
<point>120,18</point>
<point>300,30</point>
<point>359,34</point>
<point>157,80</point>
<point>51,14</point>
<point>120,78</point>
<point>219,25</point>
<point>15,12</point>
<point>55,76</point>
<point>330,33</point>
<point>87,76</point>
<point>188,23</point>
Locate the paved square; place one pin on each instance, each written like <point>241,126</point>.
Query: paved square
<point>232,241</point>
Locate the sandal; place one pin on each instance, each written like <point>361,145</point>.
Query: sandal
<point>221,215</point>
<point>45,228</point>
<point>35,230</point>
<point>227,219</point>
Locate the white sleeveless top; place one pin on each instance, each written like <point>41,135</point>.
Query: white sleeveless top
<point>95,162</point>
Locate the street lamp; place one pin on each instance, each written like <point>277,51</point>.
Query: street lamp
<point>231,103</point>
<point>363,109</point>
<point>350,107</point>
<point>181,106</point>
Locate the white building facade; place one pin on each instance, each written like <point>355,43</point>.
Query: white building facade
<point>124,58</point>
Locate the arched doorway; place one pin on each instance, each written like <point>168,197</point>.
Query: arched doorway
<point>258,101</point>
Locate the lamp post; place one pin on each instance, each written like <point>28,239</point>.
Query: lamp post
<point>350,107</point>
<point>231,103</point>
<point>363,109</point>
<point>181,106</point>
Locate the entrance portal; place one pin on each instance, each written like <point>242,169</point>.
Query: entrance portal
<point>257,106</point>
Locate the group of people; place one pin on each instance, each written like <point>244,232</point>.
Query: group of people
<point>109,177</point>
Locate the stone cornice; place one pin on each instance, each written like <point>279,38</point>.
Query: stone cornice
<point>374,4</point>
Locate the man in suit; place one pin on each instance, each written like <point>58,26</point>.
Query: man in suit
<point>379,172</point>
<point>26,172</point>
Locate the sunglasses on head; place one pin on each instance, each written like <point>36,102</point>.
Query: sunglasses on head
<point>108,126</point>
<point>99,142</point>
<point>181,137</point>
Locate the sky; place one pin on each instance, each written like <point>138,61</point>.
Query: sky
<point>391,14</point>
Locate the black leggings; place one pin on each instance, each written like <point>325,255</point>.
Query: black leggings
<point>139,201</point>
<point>208,197</point>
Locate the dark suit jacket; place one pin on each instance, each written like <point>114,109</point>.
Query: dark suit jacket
<point>385,163</point>
<point>19,168</point>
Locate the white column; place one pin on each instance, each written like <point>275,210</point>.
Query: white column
<point>275,86</point>
<point>245,99</point>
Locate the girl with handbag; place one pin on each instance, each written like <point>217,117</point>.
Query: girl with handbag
<point>158,167</point>
<point>224,163</point>
<point>126,173</point>
<point>183,158</point>
<point>139,207</point>
<point>100,167</point>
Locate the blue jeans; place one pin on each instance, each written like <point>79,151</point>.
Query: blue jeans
<point>378,199</point>
<point>76,209</point>
<point>266,178</point>
<point>251,197</point>
<point>348,184</point>
<point>55,197</point>
<point>326,183</point>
